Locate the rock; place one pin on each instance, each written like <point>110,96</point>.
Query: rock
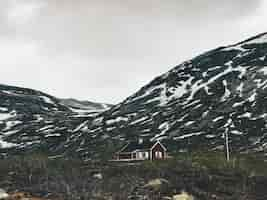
<point>3,194</point>
<point>22,196</point>
<point>183,196</point>
<point>98,176</point>
<point>18,196</point>
<point>156,184</point>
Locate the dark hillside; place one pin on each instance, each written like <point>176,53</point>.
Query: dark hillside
<point>203,176</point>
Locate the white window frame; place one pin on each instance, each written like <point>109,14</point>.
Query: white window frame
<point>142,155</point>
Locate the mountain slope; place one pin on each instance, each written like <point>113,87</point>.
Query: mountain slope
<point>85,107</point>
<point>194,104</point>
<point>34,121</point>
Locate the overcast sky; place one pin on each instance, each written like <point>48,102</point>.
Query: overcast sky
<point>104,50</point>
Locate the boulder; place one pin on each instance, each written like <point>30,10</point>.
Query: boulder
<point>183,196</point>
<point>156,184</point>
<point>98,176</point>
<point>3,194</point>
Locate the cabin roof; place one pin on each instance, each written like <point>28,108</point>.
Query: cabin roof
<point>136,146</point>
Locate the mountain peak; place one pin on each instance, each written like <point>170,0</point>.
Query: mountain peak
<point>258,39</point>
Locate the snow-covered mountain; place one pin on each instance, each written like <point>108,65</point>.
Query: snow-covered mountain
<point>195,103</point>
<point>190,107</point>
<point>34,121</point>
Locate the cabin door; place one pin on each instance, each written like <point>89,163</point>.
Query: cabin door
<point>158,155</point>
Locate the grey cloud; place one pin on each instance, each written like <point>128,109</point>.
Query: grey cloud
<point>119,27</point>
<point>106,49</point>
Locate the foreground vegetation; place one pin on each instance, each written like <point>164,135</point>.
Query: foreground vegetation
<point>204,175</point>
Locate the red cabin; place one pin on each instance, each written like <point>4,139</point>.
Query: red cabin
<point>142,150</point>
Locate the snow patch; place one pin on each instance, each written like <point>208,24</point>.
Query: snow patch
<point>6,145</point>
<point>264,70</point>
<point>189,123</point>
<point>8,133</point>
<point>53,135</point>
<point>5,116</point>
<point>236,132</point>
<point>209,136</point>
<point>46,127</point>
<point>252,98</point>
<point>11,124</point>
<point>218,118</point>
<point>227,91</point>
<point>240,88</point>
<point>238,104</point>
<point>80,126</point>
<point>247,114</point>
<point>164,127</point>
<point>198,85</point>
<point>47,100</point>
<point>189,135</point>
<point>117,120</point>
<point>139,120</point>
<point>3,109</point>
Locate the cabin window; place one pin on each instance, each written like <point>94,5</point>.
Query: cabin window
<point>145,154</point>
<point>139,155</point>
<point>142,155</point>
<point>158,154</point>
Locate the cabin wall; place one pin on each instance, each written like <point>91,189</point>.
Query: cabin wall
<point>124,156</point>
<point>143,155</point>
<point>158,148</point>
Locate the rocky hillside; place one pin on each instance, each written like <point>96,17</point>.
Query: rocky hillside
<point>34,121</point>
<point>198,177</point>
<point>194,104</point>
